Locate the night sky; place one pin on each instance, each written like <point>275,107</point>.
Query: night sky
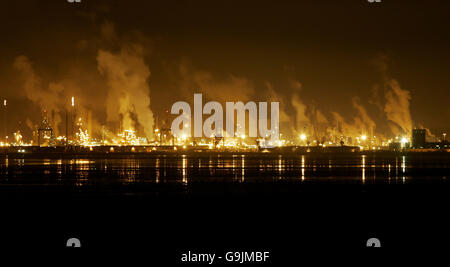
<point>325,52</point>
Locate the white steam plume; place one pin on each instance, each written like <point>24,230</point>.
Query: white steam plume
<point>129,93</point>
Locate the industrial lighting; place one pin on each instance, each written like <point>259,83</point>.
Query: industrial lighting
<point>303,137</point>
<point>363,137</point>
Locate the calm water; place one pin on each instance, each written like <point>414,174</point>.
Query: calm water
<point>185,170</point>
<point>307,199</point>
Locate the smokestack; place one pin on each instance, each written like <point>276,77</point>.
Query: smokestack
<point>166,122</point>
<point>120,123</point>
<point>74,118</point>
<point>52,122</point>
<point>5,105</point>
<point>89,123</point>
<point>67,128</point>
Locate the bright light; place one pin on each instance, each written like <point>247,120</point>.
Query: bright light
<point>303,137</point>
<point>243,136</point>
<point>73,101</point>
<point>4,102</point>
<point>363,137</point>
<point>404,140</point>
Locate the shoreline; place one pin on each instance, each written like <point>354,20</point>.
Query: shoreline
<point>175,151</point>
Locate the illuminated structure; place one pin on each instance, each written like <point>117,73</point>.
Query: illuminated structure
<point>78,134</point>
<point>5,122</point>
<point>46,131</point>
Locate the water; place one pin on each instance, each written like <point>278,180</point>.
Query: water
<point>185,171</point>
<point>171,203</point>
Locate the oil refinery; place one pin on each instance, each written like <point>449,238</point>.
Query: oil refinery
<point>78,138</point>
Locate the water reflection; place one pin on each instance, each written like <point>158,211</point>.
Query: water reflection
<point>233,167</point>
<point>396,168</point>
<point>184,169</point>
<point>403,169</point>
<point>222,168</point>
<point>363,166</point>
<point>389,173</point>
<point>242,168</point>
<point>157,171</point>
<point>303,167</point>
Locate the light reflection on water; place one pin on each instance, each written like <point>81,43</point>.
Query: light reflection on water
<point>222,168</point>
<point>157,174</point>
<point>184,169</point>
<point>303,167</point>
<point>363,167</point>
<point>242,168</point>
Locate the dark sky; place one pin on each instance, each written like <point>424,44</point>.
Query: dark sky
<point>333,48</point>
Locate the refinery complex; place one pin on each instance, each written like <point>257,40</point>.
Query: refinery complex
<point>78,138</point>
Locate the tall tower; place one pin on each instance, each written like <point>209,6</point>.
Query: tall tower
<point>89,123</point>
<point>73,119</point>
<point>5,121</point>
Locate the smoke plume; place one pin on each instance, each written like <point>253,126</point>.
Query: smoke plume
<point>129,93</point>
<point>397,108</point>
<point>48,98</point>
<point>363,121</point>
<point>301,119</point>
<point>230,88</point>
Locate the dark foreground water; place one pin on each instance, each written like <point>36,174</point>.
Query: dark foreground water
<point>231,173</point>
<point>281,203</point>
